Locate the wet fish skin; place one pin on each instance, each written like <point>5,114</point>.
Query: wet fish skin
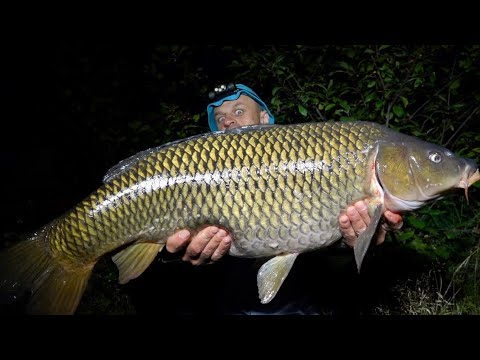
<point>279,189</point>
<point>275,189</point>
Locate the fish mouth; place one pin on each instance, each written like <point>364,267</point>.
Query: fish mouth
<point>469,180</point>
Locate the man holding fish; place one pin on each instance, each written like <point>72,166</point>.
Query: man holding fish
<point>281,190</point>
<point>236,106</point>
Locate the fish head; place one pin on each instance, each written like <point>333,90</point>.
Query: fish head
<point>412,172</point>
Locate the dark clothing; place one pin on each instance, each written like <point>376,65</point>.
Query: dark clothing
<point>320,282</point>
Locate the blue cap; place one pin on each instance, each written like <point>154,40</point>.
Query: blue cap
<point>241,89</point>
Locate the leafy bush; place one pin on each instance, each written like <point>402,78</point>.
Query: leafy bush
<point>431,92</point>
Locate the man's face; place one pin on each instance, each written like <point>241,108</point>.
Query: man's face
<point>240,112</point>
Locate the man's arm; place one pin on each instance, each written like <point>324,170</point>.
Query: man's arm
<point>212,242</point>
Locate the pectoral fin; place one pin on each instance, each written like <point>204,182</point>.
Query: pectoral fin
<point>133,260</point>
<point>272,274</point>
<point>365,238</point>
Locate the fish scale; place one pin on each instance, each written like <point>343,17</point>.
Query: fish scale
<point>278,189</point>
<point>199,182</point>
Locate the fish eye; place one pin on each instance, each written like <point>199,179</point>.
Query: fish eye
<point>435,157</point>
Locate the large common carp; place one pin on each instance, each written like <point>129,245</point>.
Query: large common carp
<point>278,188</point>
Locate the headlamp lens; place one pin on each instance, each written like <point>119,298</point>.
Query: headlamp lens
<point>222,91</point>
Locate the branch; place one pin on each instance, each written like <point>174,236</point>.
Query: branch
<point>436,93</point>
<point>377,70</point>
<point>399,91</point>
<point>463,124</point>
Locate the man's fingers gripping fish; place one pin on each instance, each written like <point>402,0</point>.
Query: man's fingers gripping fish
<point>278,188</point>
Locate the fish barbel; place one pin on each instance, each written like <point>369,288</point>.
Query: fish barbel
<point>278,188</point>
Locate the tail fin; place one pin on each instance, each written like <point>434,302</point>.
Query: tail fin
<point>30,266</point>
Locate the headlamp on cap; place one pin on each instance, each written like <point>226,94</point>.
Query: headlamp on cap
<point>222,91</point>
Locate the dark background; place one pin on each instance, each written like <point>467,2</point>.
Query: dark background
<point>71,110</point>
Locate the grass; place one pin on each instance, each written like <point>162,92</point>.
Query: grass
<point>454,292</point>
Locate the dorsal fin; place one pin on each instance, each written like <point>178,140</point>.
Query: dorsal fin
<point>248,128</point>
<point>126,164</point>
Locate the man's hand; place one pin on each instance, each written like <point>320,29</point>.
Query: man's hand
<point>212,242</point>
<point>208,245</point>
<point>356,220</point>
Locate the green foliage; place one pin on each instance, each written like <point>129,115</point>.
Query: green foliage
<point>426,91</point>
<point>442,230</point>
<point>431,92</point>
